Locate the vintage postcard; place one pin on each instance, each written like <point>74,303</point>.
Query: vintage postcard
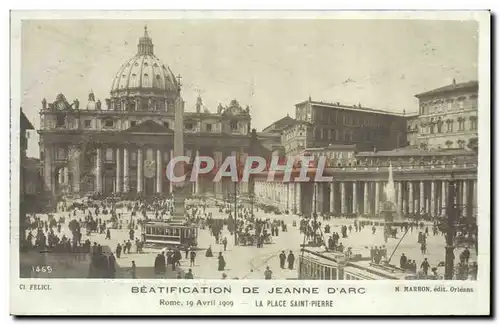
<point>250,163</point>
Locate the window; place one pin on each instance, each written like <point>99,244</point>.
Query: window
<point>450,105</point>
<point>133,123</point>
<point>461,125</point>
<point>461,104</point>
<point>87,123</point>
<point>473,123</point>
<point>165,124</point>
<point>61,153</point>
<point>450,126</point>
<point>234,125</point>
<point>461,144</point>
<point>109,154</point>
<point>209,127</point>
<point>108,123</point>
<point>60,121</point>
<point>431,128</point>
<point>189,126</point>
<point>133,156</point>
<point>439,126</point>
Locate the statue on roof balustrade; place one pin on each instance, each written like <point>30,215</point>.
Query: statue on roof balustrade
<point>44,104</point>
<point>76,104</point>
<point>98,105</point>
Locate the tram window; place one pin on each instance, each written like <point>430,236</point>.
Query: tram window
<point>176,232</point>
<point>327,273</point>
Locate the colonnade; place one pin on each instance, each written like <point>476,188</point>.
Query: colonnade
<point>366,197</point>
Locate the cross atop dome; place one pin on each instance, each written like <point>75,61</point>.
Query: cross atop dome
<point>145,46</point>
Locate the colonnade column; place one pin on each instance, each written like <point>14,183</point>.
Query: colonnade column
<point>354,198</point>
<point>377,197</point>
<point>140,170</point>
<point>366,198</point>
<point>118,171</point>
<point>422,198</point>
<point>410,198</point>
<point>465,194</point>
<point>343,207</point>
<point>126,181</point>
<point>474,198</point>
<point>298,197</point>
<point>159,172</point>
<point>444,196</point>
<point>399,197</point>
<point>432,211</point>
<point>98,170</point>
<point>332,197</point>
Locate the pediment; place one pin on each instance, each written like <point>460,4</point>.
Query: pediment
<point>148,127</point>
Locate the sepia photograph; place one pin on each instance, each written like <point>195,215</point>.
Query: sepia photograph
<point>249,149</point>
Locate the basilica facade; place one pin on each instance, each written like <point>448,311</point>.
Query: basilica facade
<point>124,143</point>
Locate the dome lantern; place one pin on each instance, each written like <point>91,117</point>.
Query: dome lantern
<point>145,46</point>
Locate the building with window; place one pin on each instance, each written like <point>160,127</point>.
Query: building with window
<point>123,144</point>
<point>335,123</point>
<point>448,116</point>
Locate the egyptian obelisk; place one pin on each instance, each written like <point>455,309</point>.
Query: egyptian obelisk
<point>179,187</point>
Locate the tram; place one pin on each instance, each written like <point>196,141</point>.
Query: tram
<point>316,265</point>
<point>165,234</point>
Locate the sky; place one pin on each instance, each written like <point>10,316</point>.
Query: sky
<point>270,65</point>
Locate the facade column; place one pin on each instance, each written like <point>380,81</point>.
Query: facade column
<point>159,172</point>
<point>126,180</point>
<point>343,207</point>
<point>118,188</point>
<point>399,198</point>
<point>47,166</point>
<point>98,171</point>
<point>422,198</point>
<point>355,197</point>
<point>140,170</point>
<point>170,182</point>
<point>366,198</point>
<point>433,199</point>
<point>66,178</point>
<point>332,197</point>
<point>218,162</point>
<point>465,194</point>
<point>197,183</point>
<point>377,198</point>
<point>444,196</point>
<point>75,166</point>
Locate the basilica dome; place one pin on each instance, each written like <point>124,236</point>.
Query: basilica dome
<point>144,73</point>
